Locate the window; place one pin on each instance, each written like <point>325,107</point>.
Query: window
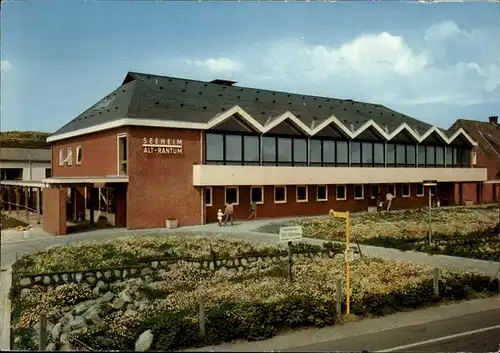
<point>315,149</point>
<point>359,192</point>
<point>465,160</point>
<point>122,154</point>
<point>280,194</point>
<point>430,154</point>
<point>355,152</point>
<point>342,152</point>
<point>214,147</point>
<point>61,157</point>
<point>251,150</point>
<point>367,153</point>
<point>378,153</point>
<point>406,190</point>
<point>375,191</point>
<point>401,155</point>
<point>208,196</point>
<point>232,148</point>
<point>433,190</point>
<point>301,193</point>
<point>410,155</point>
<point>257,194</point>
<point>420,189</point>
<point>69,157</point>
<point>284,151</point>
<point>421,155</point>
<point>439,155</point>
<point>300,152</point>
<point>78,154</point>
<point>449,156</point>
<point>391,154</point>
<point>391,188</point>
<point>340,192</point>
<point>321,193</point>
<point>232,195</point>
<point>48,172</point>
<point>329,152</point>
<point>269,150</point>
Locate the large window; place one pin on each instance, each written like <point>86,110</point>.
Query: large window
<point>439,156</point>
<point>410,155</point>
<point>257,194</point>
<point>430,157</point>
<point>329,153</point>
<point>284,151</point>
<point>378,153</point>
<point>405,190</point>
<point>400,155</point>
<point>355,153</point>
<point>268,150</point>
<point>231,149</point>
<point>375,190</point>
<point>457,156</point>
<point>300,152</point>
<point>420,189</point>
<point>251,150</point>
<point>421,156</point>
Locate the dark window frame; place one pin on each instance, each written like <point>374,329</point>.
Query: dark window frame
<point>336,162</point>
<point>237,202</point>
<point>306,199</point>
<point>344,187</point>
<point>362,197</point>
<point>419,185</point>
<point>403,190</point>
<point>224,160</point>
<point>285,198</point>
<point>211,192</point>
<point>372,195</point>
<point>293,162</point>
<point>325,199</point>
<point>261,188</point>
<point>406,151</point>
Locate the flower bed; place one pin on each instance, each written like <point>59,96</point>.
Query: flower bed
<point>255,304</point>
<point>465,231</point>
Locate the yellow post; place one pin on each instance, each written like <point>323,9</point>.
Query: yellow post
<point>347,267</point>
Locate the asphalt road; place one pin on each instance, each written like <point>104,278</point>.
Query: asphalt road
<point>478,332</point>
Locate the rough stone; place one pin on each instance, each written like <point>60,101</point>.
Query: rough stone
<point>130,307</point>
<point>65,277</point>
<point>46,280</point>
<point>25,292</point>
<point>66,347</point>
<point>56,278</point>
<point>25,282</point>
<point>154,264</point>
<point>95,292</point>
<point>38,278</point>
<point>107,297</point>
<point>133,271</point>
<point>144,341</point>
<point>83,307</point>
<point>98,274</point>
<point>77,322</point>
<point>56,331</point>
<point>96,320</point>
<point>51,347</point>
<point>146,271</point>
<point>108,274</point>
<point>78,277</point>
<point>125,297</point>
<point>101,284</point>
<point>124,274</point>
<point>118,303</point>
<point>91,279</point>
<point>244,262</point>
<point>212,265</point>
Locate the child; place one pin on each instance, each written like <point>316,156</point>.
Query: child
<point>219,216</point>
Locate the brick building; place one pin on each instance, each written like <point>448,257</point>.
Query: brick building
<point>487,155</point>
<point>161,148</point>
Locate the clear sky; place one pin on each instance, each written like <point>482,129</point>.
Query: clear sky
<point>435,62</point>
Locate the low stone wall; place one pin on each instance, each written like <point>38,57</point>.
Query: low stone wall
<point>148,267</point>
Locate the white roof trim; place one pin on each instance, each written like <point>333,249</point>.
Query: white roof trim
<point>220,118</point>
<point>287,116</point>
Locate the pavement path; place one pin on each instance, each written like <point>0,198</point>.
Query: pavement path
<point>434,329</point>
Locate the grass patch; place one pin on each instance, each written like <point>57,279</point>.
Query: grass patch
<point>7,222</point>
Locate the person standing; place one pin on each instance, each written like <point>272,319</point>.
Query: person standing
<point>220,214</point>
<point>388,198</point>
<point>229,213</point>
<point>253,210</point>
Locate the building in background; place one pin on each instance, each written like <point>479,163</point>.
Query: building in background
<point>27,164</point>
<point>163,150</point>
<point>486,155</point>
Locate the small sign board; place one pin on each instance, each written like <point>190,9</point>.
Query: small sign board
<point>290,234</point>
<point>340,214</point>
<point>349,255</point>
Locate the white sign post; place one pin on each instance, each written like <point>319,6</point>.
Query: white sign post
<point>287,235</point>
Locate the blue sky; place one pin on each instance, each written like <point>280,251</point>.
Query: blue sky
<point>435,62</point>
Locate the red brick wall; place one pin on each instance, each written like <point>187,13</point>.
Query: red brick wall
<point>54,211</point>
<point>313,207</point>
<point>161,186</point>
<point>99,155</point>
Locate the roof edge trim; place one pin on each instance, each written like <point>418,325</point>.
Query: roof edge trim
<point>220,118</point>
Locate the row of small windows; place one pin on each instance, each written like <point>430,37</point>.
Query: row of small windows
<point>228,149</point>
<point>231,193</point>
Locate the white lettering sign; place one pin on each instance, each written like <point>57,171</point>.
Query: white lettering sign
<point>290,234</point>
<point>155,145</point>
